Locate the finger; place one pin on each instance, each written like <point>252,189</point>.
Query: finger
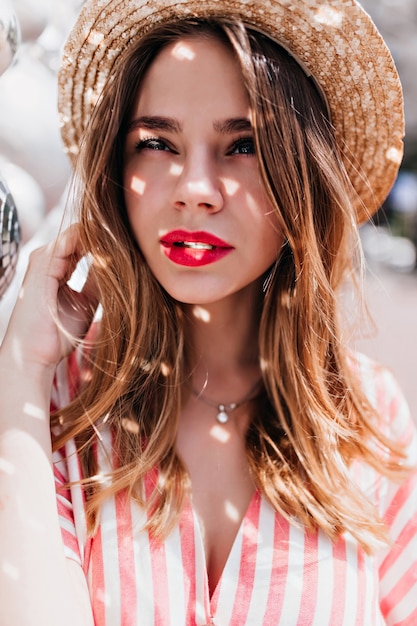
<point>65,252</point>
<point>77,306</point>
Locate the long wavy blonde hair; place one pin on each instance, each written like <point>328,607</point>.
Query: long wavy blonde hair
<point>313,418</point>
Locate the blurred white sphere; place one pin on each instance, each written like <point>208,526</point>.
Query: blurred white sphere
<point>29,125</point>
<point>9,34</point>
<point>28,197</point>
<point>33,17</point>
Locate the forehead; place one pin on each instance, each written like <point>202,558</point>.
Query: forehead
<point>194,72</point>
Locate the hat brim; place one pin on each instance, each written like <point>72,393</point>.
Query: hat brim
<point>336,42</point>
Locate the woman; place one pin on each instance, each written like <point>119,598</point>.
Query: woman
<point>220,457</point>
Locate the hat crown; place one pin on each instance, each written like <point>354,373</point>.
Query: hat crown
<point>335,42</point>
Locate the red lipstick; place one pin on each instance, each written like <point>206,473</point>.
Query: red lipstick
<point>194,249</point>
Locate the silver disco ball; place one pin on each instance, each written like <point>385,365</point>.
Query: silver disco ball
<point>9,34</point>
<point>10,237</point>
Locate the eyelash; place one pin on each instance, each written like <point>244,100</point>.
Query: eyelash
<point>242,142</point>
<point>146,143</point>
<point>163,146</point>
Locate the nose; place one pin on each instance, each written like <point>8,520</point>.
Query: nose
<point>198,184</point>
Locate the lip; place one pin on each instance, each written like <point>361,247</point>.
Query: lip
<point>204,248</point>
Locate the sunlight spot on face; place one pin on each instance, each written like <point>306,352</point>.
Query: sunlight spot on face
<point>10,570</point>
<point>138,186</point>
<point>197,187</point>
<point>182,51</point>
<point>231,186</point>
<point>265,211</point>
<point>175,169</point>
<point>231,511</point>
<point>6,467</point>
<point>252,204</point>
<point>200,313</point>
<point>219,433</point>
<point>33,411</point>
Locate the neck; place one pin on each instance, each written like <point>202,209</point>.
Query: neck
<point>224,347</point>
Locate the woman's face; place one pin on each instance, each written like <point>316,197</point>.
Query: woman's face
<point>194,195</point>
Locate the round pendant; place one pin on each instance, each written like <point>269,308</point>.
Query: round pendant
<point>222,417</point>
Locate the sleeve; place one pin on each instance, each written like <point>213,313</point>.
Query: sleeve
<point>398,563</point>
<point>67,469</point>
<point>65,508</point>
<point>398,570</point>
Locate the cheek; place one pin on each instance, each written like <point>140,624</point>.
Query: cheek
<point>135,188</point>
<point>144,189</point>
<point>264,221</point>
<point>141,230</point>
<point>136,215</point>
<point>140,199</point>
<point>273,238</point>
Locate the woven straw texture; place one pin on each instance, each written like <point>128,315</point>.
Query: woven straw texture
<point>334,40</point>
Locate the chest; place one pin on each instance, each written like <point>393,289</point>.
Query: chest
<point>222,488</point>
<point>275,574</point>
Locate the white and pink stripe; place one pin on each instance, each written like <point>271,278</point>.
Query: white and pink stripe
<point>276,574</point>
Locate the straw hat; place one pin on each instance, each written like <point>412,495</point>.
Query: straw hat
<point>334,40</point>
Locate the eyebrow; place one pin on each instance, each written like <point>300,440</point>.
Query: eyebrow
<point>155,123</point>
<point>233,125</point>
<point>170,124</point>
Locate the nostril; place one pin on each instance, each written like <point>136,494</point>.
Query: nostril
<point>202,192</point>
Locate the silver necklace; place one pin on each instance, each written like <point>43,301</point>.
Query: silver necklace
<point>223,409</point>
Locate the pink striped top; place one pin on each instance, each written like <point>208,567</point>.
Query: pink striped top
<point>276,573</point>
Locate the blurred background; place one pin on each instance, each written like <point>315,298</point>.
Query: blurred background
<point>390,242</point>
<point>34,172</point>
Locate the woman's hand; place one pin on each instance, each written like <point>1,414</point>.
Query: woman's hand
<point>49,316</point>
<point>43,587</point>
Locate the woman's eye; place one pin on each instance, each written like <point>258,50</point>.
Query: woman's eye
<point>152,144</point>
<point>246,145</point>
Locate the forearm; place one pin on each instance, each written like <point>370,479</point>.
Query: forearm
<point>36,587</point>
